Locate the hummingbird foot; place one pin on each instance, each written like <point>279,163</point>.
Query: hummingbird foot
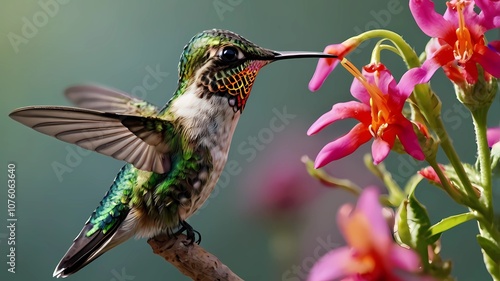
<point>191,234</point>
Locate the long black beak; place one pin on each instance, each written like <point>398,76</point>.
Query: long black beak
<point>296,55</point>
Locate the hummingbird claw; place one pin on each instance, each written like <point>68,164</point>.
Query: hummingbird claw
<point>191,234</point>
<point>198,241</point>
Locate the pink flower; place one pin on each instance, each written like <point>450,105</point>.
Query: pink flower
<point>458,39</point>
<point>326,66</point>
<point>493,136</point>
<point>379,114</point>
<point>430,174</point>
<point>371,253</point>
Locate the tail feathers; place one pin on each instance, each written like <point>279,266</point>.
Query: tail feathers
<point>85,249</point>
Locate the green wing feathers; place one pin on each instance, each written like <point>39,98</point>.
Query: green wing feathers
<point>115,203</point>
<point>101,232</point>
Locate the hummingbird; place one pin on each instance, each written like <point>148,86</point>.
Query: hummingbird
<point>174,155</point>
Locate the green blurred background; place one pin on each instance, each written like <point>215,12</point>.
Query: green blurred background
<point>114,43</point>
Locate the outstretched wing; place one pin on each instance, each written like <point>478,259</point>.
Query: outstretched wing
<point>141,141</point>
<point>108,100</point>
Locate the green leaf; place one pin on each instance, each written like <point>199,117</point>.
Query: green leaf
<point>402,233</point>
<point>447,223</point>
<point>413,224</point>
<point>418,223</point>
<point>432,239</point>
<point>491,248</point>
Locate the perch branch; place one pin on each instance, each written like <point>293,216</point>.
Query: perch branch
<point>193,261</point>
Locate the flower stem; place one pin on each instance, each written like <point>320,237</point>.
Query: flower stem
<point>448,148</point>
<point>328,180</point>
<point>455,193</point>
<point>406,51</point>
<point>486,226</point>
<point>479,117</point>
<point>378,49</point>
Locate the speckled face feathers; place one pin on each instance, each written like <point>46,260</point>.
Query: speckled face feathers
<point>223,63</point>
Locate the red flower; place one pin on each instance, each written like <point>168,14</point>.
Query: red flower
<point>458,39</point>
<point>379,113</point>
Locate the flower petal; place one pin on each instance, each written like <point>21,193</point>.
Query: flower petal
<point>332,266</point>
<point>383,80</point>
<point>359,92</point>
<point>404,258</point>
<point>324,68</point>
<point>469,70</point>
<point>423,74</point>
<point>372,253</point>
<point>430,174</point>
<point>388,85</point>
<point>493,136</point>
<point>380,150</point>
<point>431,23</point>
<point>454,73</point>
<point>343,146</point>
<point>433,46</point>
<point>488,59</point>
<point>369,205</point>
<point>340,111</point>
<point>490,13</point>
<point>409,140</point>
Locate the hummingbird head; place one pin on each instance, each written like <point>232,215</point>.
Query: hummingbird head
<point>220,62</point>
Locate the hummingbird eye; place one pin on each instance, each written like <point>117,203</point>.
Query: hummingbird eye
<point>229,54</point>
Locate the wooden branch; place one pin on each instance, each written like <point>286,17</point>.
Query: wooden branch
<point>193,261</point>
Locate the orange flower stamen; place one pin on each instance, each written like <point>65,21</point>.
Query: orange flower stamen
<point>464,48</point>
<point>378,101</point>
